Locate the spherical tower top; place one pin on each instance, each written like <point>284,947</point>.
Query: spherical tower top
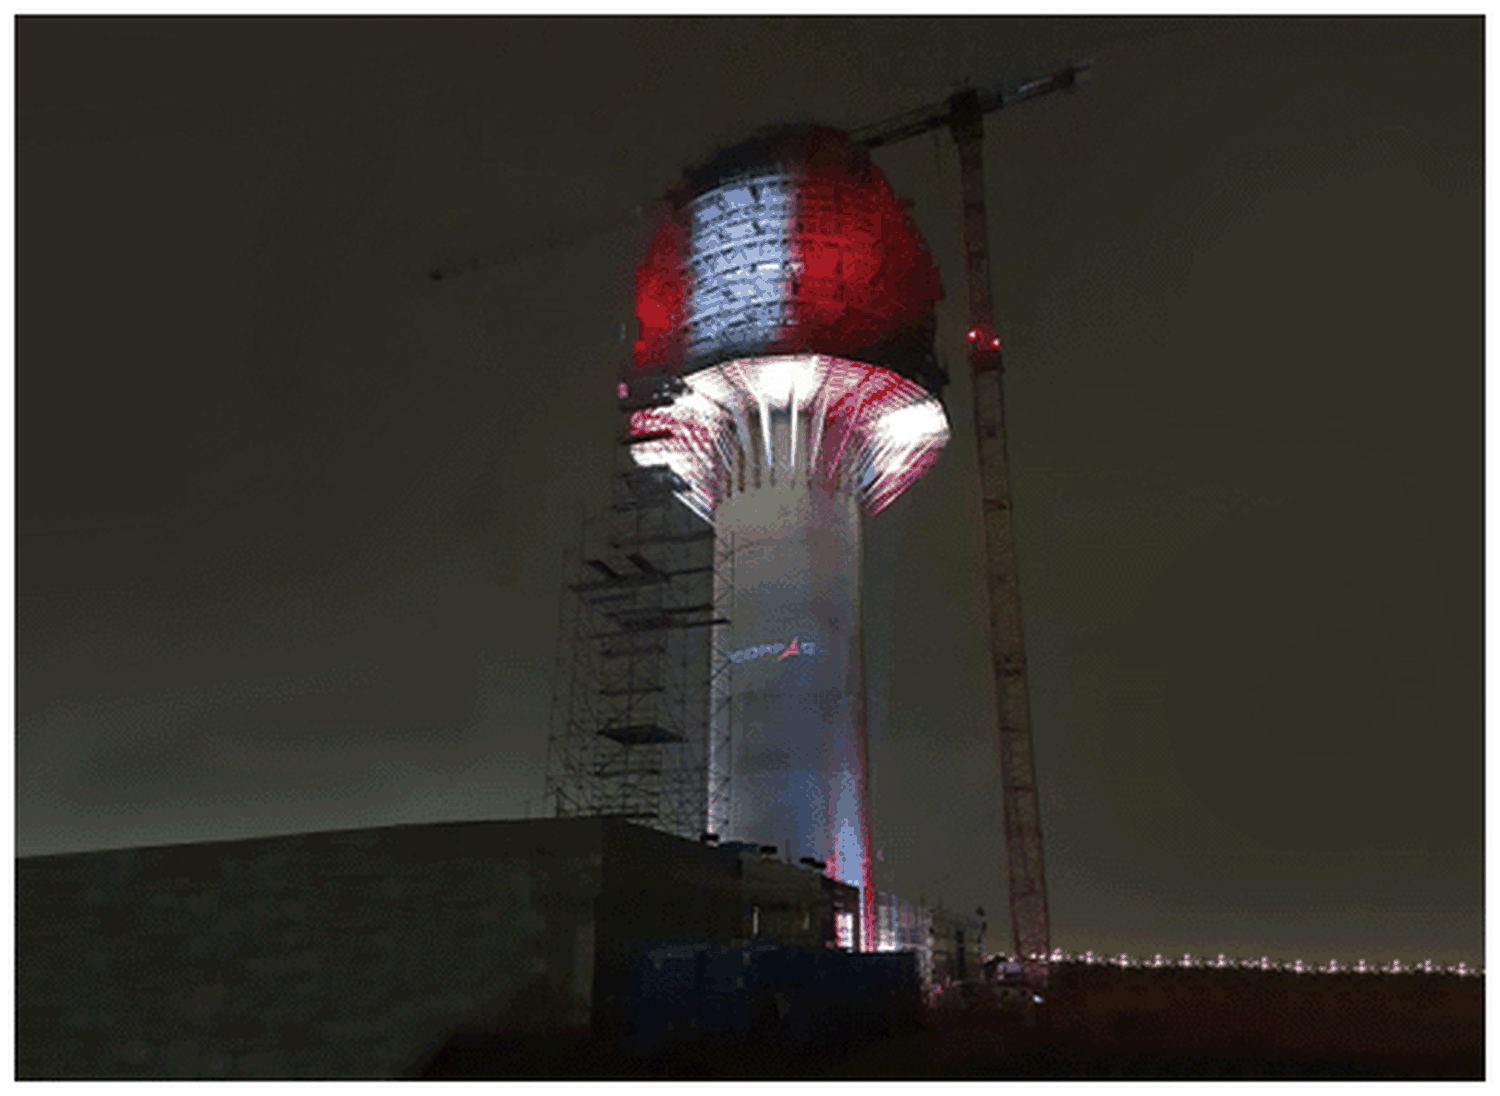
<point>786,278</point>
<point>790,243</point>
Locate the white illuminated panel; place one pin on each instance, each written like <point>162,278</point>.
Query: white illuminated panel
<point>843,926</point>
<point>808,417</point>
<point>739,255</point>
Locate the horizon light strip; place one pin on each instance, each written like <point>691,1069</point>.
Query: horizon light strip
<point>1125,961</point>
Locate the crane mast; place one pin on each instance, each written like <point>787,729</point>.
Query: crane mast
<point>1023,823</point>
<point>963,115</point>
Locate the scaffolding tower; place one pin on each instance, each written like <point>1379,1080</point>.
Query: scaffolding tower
<point>630,717</point>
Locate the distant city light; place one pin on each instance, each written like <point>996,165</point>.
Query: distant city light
<point>1124,960</point>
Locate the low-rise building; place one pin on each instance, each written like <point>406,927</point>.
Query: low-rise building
<point>356,953</point>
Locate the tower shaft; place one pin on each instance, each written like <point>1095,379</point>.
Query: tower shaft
<point>789,754</point>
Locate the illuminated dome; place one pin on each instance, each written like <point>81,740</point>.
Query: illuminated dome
<point>787,307</point>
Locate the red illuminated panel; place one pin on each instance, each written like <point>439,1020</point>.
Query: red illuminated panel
<point>865,273</point>
<point>894,486</point>
<point>661,293</point>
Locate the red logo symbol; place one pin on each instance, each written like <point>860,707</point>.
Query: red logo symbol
<point>790,651</point>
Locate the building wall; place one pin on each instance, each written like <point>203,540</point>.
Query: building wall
<point>359,953</point>
<point>787,904</point>
<point>660,889</point>
<point>957,946</point>
<point>657,889</point>
<point>346,954</point>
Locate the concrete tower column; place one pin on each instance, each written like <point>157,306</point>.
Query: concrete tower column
<point>789,758</point>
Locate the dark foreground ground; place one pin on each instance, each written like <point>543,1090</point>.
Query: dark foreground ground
<point>1094,1023</point>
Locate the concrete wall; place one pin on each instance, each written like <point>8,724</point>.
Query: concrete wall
<point>957,946</point>
<point>657,888</point>
<point>359,953</point>
<point>347,954</point>
<point>662,889</point>
<point>787,905</point>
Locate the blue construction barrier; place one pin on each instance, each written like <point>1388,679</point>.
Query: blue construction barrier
<point>692,994</point>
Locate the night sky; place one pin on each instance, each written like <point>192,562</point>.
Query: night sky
<point>290,514</point>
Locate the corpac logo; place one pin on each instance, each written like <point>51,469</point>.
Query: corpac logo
<point>782,651</point>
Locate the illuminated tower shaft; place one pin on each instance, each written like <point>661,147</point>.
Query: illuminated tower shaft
<point>790,759</point>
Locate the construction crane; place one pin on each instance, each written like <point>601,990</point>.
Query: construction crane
<point>962,114</point>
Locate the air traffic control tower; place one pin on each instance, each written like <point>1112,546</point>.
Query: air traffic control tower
<point>784,373</point>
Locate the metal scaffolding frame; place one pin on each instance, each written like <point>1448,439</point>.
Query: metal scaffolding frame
<point>721,710</point>
<point>629,734</point>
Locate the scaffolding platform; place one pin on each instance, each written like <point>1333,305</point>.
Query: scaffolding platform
<point>629,735</point>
